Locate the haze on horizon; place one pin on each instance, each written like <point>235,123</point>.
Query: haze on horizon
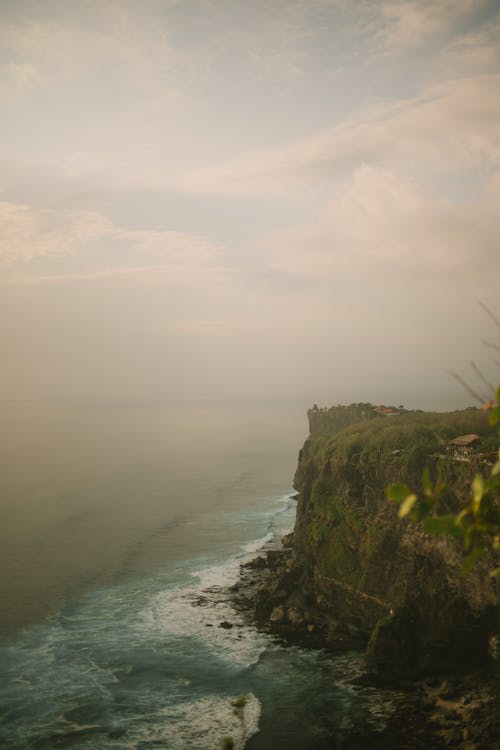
<point>216,199</point>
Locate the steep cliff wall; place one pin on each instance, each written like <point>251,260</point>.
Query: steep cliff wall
<point>357,575</point>
<point>328,421</point>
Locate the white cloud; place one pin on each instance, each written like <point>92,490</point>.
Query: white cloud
<point>410,23</point>
<point>107,44</point>
<point>383,226</point>
<point>448,129</point>
<point>27,233</point>
<point>175,247</point>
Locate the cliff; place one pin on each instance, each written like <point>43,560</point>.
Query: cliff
<point>328,421</point>
<point>354,575</point>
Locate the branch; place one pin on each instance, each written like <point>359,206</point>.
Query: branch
<point>485,382</point>
<point>489,313</point>
<point>492,345</point>
<point>468,388</point>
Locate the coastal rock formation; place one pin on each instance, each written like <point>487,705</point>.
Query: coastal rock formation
<point>352,575</point>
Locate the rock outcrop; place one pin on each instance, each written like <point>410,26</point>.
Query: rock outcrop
<point>353,575</point>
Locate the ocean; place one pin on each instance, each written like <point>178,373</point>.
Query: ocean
<point>122,529</point>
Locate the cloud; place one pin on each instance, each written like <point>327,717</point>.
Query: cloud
<point>450,128</point>
<point>473,52</point>
<point>382,226</point>
<point>175,247</point>
<point>28,233</point>
<point>408,24</point>
<point>101,42</point>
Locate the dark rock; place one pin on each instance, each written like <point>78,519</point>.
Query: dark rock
<point>352,575</point>
<point>277,557</point>
<point>226,624</point>
<point>201,601</point>
<point>256,564</point>
<point>448,689</point>
<point>263,603</point>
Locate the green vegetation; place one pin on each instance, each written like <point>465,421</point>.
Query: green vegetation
<point>327,421</point>
<point>348,469</point>
<point>321,498</point>
<point>425,443</point>
<point>477,524</point>
<point>413,433</point>
<point>333,520</point>
<point>227,743</point>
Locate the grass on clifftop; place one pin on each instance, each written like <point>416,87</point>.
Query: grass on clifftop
<point>414,434</point>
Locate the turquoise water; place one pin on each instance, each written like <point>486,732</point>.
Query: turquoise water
<point>146,664</point>
<point>130,652</point>
<point>137,664</point>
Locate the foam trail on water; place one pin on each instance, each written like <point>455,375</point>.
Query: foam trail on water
<point>197,610</point>
<point>202,609</point>
<point>146,661</point>
<point>204,723</point>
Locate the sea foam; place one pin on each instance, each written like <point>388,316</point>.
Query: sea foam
<point>202,724</point>
<point>202,609</point>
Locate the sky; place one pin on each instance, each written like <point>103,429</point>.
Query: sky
<point>228,200</point>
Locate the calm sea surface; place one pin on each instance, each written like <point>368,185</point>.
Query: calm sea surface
<point>120,530</point>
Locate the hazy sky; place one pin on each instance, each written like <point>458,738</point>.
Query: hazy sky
<point>224,198</point>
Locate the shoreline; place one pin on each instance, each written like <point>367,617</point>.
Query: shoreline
<point>460,710</point>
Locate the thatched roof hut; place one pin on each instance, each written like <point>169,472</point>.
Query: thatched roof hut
<point>464,441</point>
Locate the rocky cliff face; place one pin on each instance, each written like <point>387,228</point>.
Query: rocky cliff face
<point>354,575</point>
<point>328,421</point>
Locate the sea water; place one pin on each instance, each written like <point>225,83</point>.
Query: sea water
<point>157,658</point>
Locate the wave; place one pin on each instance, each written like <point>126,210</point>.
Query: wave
<point>202,609</point>
<point>157,659</point>
<point>203,723</point>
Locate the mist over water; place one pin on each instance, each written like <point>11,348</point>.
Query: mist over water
<point>92,496</point>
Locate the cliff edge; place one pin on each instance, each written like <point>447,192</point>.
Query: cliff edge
<point>353,575</point>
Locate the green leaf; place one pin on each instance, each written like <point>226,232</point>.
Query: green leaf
<point>442,525</point>
<point>489,485</point>
<point>471,559</point>
<point>423,508</point>
<point>407,505</point>
<point>494,417</point>
<point>496,469</point>
<point>397,492</point>
<point>477,492</point>
<point>470,538</point>
<point>495,573</point>
<point>462,516</point>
